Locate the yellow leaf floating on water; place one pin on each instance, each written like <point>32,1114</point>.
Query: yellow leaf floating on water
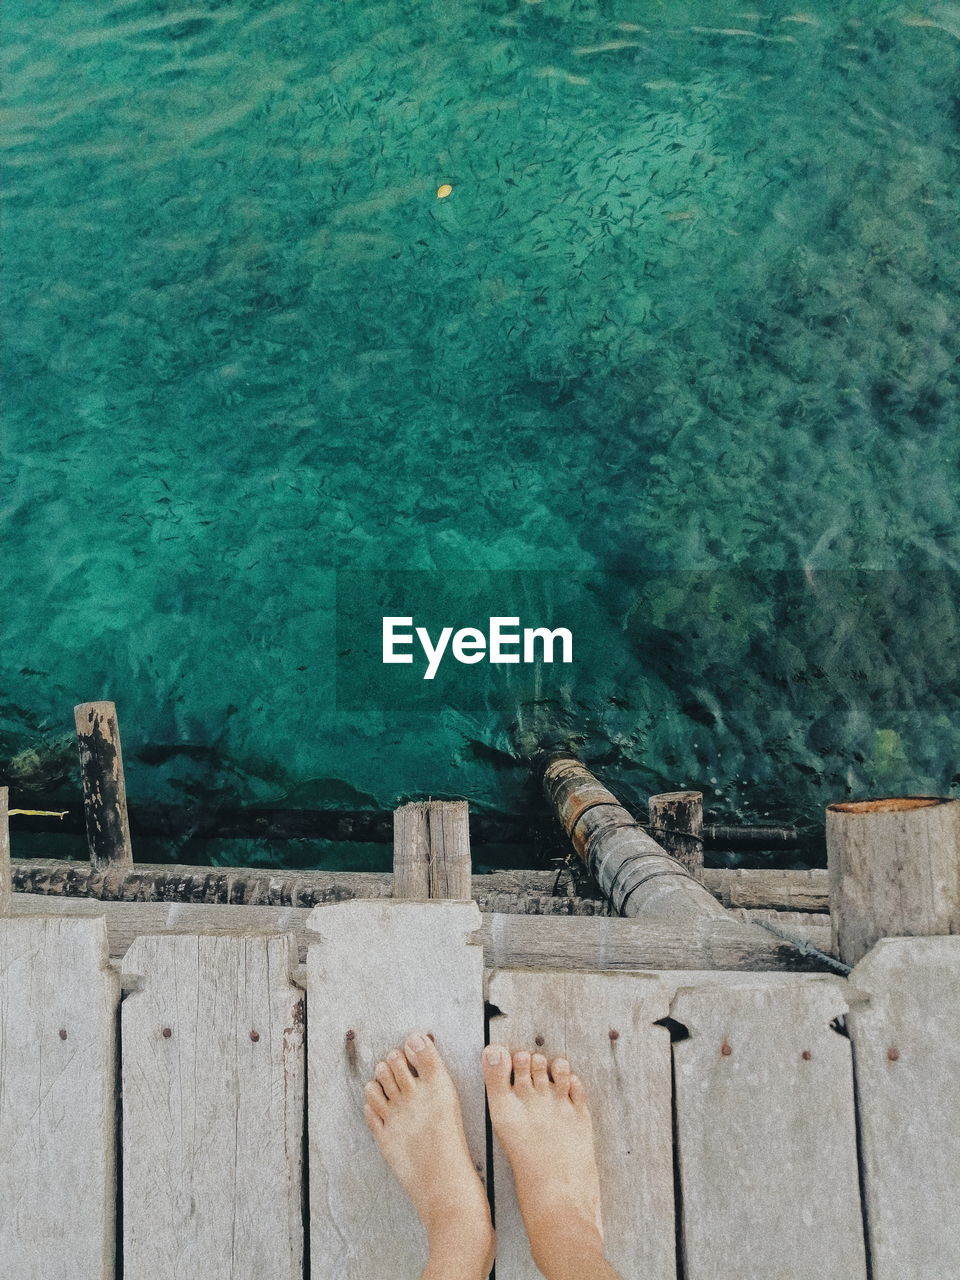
<point>444,191</point>
<point>41,813</point>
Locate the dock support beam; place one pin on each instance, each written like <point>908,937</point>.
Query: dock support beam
<point>676,822</point>
<point>431,851</point>
<point>104,792</point>
<point>894,871</point>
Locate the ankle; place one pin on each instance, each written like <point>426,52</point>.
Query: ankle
<point>564,1243</point>
<point>461,1247</point>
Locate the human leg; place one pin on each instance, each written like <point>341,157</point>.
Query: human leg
<point>541,1119</point>
<point>413,1111</point>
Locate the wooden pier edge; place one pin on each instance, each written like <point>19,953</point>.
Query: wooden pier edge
<point>509,941</point>
<point>523,892</point>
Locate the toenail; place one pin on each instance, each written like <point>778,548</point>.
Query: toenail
<point>522,1057</point>
<point>417,1043</point>
<point>493,1056</point>
<point>393,1055</point>
<point>561,1064</point>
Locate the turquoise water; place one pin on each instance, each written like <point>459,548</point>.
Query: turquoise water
<point>680,343</point>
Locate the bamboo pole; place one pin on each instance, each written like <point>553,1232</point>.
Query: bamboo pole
<point>894,870</point>
<point>634,872</point>
<point>104,791</point>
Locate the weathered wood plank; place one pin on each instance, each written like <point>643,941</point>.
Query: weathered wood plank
<point>450,864</point>
<point>766,1134</point>
<point>58,1001</point>
<point>906,1047</point>
<point>411,853</point>
<point>894,871</point>
<point>526,942</point>
<point>378,972</point>
<point>547,942</point>
<point>104,789</point>
<point>800,926</point>
<point>213,1098</point>
<point>774,890</point>
<point>604,1025</point>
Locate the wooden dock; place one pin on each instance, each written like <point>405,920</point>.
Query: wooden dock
<point>750,1087</point>
<point>181,1083</point>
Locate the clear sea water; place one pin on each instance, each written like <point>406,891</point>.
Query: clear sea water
<point>680,344</point>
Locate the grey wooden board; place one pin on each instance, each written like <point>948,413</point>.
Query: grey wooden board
<point>57,1100</point>
<point>213,1119</point>
<point>510,941</point>
<point>910,1105</point>
<point>766,1139</point>
<point>628,1088</point>
<point>382,970</point>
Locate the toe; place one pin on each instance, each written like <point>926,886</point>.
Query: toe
<point>522,1082</point>
<point>401,1071</point>
<point>373,1098</point>
<point>496,1069</point>
<point>538,1073</point>
<point>560,1072</point>
<point>384,1078</point>
<point>374,1121</point>
<point>422,1052</point>
<point>578,1095</point>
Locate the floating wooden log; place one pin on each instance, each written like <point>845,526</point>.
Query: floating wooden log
<point>894,870</point>
<point>104,792</point>
<point>676,822</point>
<point>431,850</point>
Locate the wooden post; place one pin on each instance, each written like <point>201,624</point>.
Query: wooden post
<point>6,870</point>
<point>894,870</point>
<point>104,793</point>
<point>431,851</point>
<point>676,822</point>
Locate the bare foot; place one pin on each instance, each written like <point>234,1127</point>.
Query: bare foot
<point>413,1111</point>
<point>542,1122</point>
